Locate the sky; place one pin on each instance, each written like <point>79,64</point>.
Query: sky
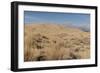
<point>76,19</point>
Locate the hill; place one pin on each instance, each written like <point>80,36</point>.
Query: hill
<point>55,42</point>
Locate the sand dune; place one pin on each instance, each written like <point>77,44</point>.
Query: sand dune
<point>55,42</point>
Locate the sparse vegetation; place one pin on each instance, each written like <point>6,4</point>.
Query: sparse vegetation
<point>55,42</point>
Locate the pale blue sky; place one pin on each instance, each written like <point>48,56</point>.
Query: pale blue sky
<point>77,19</point>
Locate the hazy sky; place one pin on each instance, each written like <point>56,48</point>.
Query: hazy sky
<point>55,17</point>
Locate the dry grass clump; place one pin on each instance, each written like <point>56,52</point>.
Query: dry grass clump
<point>55,42</point>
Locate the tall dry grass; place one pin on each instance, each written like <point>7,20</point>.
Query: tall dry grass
<point>55,42</point>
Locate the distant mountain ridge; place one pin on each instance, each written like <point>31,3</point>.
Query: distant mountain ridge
<point>84,27</point>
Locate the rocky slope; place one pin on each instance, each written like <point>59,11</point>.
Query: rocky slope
<point>55,42</point>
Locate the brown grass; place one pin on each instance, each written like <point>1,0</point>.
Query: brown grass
<point>55,42</point>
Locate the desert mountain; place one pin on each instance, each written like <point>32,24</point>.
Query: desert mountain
<point>55,42</point>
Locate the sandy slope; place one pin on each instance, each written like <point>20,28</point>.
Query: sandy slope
<point>55,42</point>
